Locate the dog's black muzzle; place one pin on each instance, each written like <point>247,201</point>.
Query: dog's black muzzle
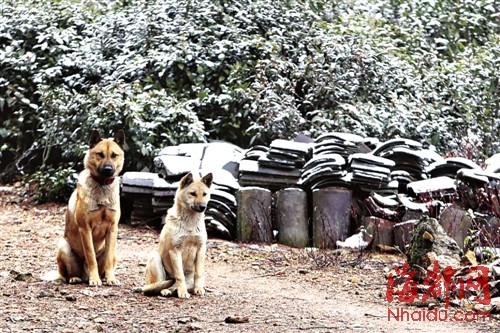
<point>107,171</point>
<point>199,208</point>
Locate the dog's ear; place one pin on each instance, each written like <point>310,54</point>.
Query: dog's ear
<point>207,179</point>
<point>120,138</point>
<point>186,180</point>
<point>95,138</point>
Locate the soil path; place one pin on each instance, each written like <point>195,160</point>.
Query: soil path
<point>278,289</point>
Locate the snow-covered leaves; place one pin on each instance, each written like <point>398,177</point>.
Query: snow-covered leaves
<point>246,71</point>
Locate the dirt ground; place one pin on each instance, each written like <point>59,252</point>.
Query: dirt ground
<point>264,288</point>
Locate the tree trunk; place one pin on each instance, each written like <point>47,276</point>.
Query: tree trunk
<point>331,220</point>
<point>254,215</point>
<point>292,217</point>
<point>456,222</point>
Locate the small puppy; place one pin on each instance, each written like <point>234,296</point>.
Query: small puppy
<point>178,264</point>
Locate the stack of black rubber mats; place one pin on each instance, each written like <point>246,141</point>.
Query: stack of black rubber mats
<point>275,167</point>
<point>146,196</point>
<point>344,144</point>
<point>328,165</point>
<point>411,160</point>
<point>479,190</point>
<point>220,216</point>
<point>372,173</point>
<point>449,167</point>
<point>324,170</point>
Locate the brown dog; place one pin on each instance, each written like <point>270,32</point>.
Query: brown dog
<point>87,251</point>
<point>178,264</point>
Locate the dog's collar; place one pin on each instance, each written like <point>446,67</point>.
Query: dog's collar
<point>101,181</point>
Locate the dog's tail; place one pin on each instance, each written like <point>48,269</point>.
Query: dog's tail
<point>53,276</point>
<point>153,289</point>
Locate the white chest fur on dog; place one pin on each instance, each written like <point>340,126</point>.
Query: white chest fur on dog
<point>101,196</point>
<point>186,234</point>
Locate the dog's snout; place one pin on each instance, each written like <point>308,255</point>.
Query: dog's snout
<point>107,170</point>
<point>200,208</point>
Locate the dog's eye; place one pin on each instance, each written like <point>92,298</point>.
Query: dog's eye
<point>100,154</point>
<point>193,194</point>
<point>113,155</point>
<point>204,194</point>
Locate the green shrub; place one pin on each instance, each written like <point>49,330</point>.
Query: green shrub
<point>52,185</point>
<point>246,71</point>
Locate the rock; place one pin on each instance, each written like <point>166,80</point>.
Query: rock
<point>255,247</point>
<point>429,236</point>
<point>446,261</point>
<point>428,259</point>
<point>382,231</point>
<point>402,234</point>
<point>195,327</point>
<point>236,320</point>
<point>44,293</point>
<point>185,320</point>
<point>22,276</point>
<point>456,222</point>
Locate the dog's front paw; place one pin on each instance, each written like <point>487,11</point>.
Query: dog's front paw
<point>200,291</point>
<point>182,292</point>
<point>93,282</point>
<point>111,280</point>
<point>74,280</point>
